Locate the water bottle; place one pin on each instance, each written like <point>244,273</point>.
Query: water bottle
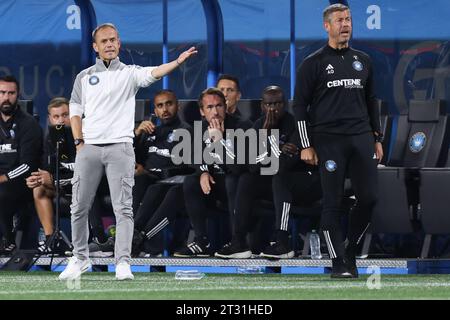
<point>250,270</point>
<point>314,244</point>
<point>188,275</point>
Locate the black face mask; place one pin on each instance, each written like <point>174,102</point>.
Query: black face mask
<point>8,109</point>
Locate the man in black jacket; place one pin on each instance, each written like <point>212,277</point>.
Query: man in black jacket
<point>229,85</point>
<point>20,150</point>
<point>42,180</point>
<point>214,181</point>
<point>157,204</point>
<point>254,185</point>
<point>339,129</point>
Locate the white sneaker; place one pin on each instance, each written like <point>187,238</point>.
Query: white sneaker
<point>123,271</point>
<point>75,268</point>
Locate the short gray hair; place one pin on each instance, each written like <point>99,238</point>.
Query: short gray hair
<point>102,26</point>
<point>328,11</point>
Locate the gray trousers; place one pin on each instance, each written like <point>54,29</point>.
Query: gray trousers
<point>92,161</point>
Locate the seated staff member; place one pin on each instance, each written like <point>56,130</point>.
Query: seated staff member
<point>20,152</point>
<point>213,182</point>
<point>154,162</point>
<point>253,185</point>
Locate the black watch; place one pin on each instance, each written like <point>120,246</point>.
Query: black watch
<point>379,137</point>
<point>77,142</point>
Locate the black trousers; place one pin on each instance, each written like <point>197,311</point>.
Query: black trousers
<point>14,196</point>
<point>141,184</point>
<point>162,205</point>
<point>198,204</point>
<point>341,156</point>
<point>251,187</point>
<point>294,188</point>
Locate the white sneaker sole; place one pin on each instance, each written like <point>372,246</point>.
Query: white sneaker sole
<point>64,277</point>
<point>127,277</point>
<point>101,254</point>
<point>288,255</point>
<point>237,255</point>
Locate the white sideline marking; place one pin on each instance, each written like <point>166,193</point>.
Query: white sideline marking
<point>311,286</point>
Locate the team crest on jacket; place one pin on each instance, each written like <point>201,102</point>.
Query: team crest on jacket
<point>93,80</point>
<point>357,65</point>
<point>330,165</point>
<point>170,137</point>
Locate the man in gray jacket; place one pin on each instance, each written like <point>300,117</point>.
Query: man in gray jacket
<point>102,110</point>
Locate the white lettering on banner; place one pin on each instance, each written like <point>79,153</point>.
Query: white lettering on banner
<point>73,21</point>
<point>374,20</point>
<point>33,81</point>
<point>347,83</point>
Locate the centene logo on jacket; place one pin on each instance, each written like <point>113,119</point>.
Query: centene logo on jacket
<point>346,83</point>
<point>7,148</point>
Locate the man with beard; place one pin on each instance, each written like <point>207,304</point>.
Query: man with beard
<point>20,151</point>
<point>153,209</point>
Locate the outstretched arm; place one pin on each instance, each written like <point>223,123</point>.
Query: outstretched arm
<point>166,68</point>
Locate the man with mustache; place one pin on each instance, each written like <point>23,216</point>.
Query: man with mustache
<point>20,151</point>
<point>102,120</point>
<point>339,127</point>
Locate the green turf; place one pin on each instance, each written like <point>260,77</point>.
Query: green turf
<point>45,285</point>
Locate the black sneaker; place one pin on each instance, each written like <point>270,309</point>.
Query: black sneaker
<point>59,248</point>
<point>102,250</point>
<point>234,250</point>
<point>350,263</point>
<point>339,270</point>
<point>7,249</point>
<point>277,250</point>
<point>42,247</point>
<point>194,249</point>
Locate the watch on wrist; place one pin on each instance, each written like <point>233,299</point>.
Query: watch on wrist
<point>379,137</point>
<point>77,142</point>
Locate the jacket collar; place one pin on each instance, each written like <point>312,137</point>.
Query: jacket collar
<point>114,64</point>
<point>336,51</point>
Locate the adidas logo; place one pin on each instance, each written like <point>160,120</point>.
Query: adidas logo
<point>330,69</point>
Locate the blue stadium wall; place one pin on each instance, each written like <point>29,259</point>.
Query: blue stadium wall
<point>408,41</point>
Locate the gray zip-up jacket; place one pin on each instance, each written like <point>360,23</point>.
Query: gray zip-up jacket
<point>106,99</point>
